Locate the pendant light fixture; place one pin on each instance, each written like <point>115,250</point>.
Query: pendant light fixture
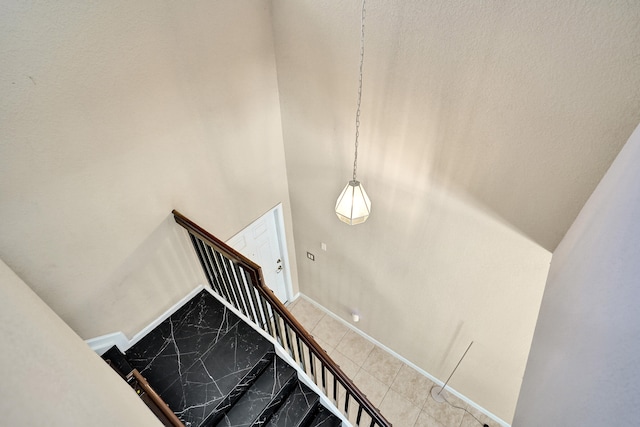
<point>353,206</point>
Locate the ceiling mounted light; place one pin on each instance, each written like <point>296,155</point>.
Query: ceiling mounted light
<point>353,206</point>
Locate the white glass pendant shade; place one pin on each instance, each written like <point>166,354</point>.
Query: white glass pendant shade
<point>353,206</point>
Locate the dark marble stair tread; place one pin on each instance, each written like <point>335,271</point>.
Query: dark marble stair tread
<point>264,396</point>
<point>205,362</point>
<point>297,409</point>
<point>324,418</point>
<point>219,377</point>
<point>201,359</point>
<point>118,361</point>
<point>179,341</point>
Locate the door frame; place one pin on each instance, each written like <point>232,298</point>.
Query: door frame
<point>278,219</point>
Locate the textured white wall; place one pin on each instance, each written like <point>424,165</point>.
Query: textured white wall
<point>114,113</point>
<point>485,127</point>
<point>584,365</point>
<point>432,268</point>
<point>49,375</point>
<point>489,122</point>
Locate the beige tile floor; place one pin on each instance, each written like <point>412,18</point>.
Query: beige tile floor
<point>401,393</point>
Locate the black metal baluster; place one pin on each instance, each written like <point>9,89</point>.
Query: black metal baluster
<point>221,260</point>
<point>215,275</point>
<point>359,416</point>
<point>277,330</point>
<point>262,319</point>
<point>287,332</point>
<point>300,354</point>
<point>312,366</point>
<point>323,375</point>
<point>196,246</point>
<point>215,265</point>
<point>265,310</point>
<point>241,285</point>
<point>230,269</point>
<point>346,402</point>
<point>251,278</point>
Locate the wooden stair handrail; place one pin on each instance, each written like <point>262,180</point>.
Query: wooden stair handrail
<point>268,294</point>
<point>157,400</point>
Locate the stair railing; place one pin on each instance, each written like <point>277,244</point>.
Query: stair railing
<point>153,400</point>
<point>240,282</point>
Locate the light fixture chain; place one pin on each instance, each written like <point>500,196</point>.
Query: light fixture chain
<point>355,157</point>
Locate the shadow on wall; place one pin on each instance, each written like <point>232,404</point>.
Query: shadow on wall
<point>153,277</point>
<point>451,96</point>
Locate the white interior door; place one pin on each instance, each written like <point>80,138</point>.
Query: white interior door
<point>260,242</point>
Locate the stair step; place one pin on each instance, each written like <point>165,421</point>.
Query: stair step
<point>213,369</point>
<point>118,361</point>
<point>263,398</point>
<point>201,359</point>
<point>324,418</point>
<point>214,383</point>
<point>178,342</point>
<point>298,408</point>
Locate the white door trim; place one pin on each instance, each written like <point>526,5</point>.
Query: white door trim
<point>278,217</point>
<point>282,242</point>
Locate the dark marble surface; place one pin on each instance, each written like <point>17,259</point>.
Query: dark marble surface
<point>201,359</point>
<point>212,369</point>
<point>118,361</point>
<point>297,409</point>
<point>264,396</point>
<point>180,340</point>
<point>324,418</point>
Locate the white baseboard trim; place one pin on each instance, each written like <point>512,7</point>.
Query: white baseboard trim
<point>103,343</point>
<point>398,356</point>
<point>137,337</point>
<point>292,300</point>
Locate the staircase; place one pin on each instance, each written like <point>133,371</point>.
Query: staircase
<point>212,369</point>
